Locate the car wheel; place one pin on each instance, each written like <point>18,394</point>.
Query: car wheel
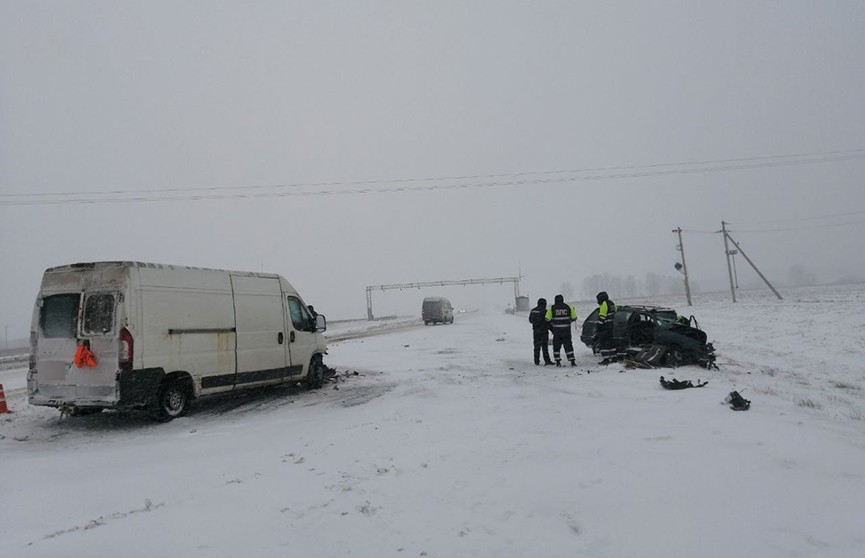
<point>172,401</point>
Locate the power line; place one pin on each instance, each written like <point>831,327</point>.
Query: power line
<point>852,153</point>
<point>805,227</point>
<point>748,163</point>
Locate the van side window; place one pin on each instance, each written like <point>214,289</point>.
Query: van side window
<point>300,316</point>
<point>58,316</point>
<point>98,314</point>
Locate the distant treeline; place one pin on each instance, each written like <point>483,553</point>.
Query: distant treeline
<point>625,287</point>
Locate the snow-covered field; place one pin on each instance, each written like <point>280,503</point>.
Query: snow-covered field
<point>447,441</point>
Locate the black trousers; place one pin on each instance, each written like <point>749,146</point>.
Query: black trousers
<point>563,339</point>
<point>605,337</point>
<point>541,339</point>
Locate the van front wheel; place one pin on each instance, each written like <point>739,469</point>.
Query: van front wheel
<point>315,376</point>
<point>172,401</point>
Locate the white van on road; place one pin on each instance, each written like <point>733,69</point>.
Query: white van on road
<point>163,335</point>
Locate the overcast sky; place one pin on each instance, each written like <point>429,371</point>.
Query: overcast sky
<point>108,96</point>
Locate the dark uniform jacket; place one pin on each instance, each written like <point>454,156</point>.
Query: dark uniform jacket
<point>560,316</point>
<point>538,319</point>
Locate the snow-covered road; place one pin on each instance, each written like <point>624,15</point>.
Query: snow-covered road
<point>448,441</point>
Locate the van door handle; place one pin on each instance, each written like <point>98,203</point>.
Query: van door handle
<point>280,337</point>
<point>291,337</point>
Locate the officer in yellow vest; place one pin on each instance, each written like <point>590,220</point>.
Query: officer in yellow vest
<point>606,309</point>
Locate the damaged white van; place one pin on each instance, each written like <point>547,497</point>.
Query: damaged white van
<point>158,336</point>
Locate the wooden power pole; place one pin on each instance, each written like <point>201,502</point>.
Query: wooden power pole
<point>727,253</point>
<point>747,259</point>
<point>683,267</point>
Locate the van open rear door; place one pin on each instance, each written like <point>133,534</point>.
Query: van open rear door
<point>67,320</point>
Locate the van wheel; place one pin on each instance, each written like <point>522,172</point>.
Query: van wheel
<point>315,376</point>
<point>172,401</point>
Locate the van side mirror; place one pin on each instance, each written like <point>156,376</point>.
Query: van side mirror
<point>320,324</point>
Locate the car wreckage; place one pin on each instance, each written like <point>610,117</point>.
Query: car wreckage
<point>648,337</point>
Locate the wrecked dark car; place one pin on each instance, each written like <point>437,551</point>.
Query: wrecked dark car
<point>648,337</point>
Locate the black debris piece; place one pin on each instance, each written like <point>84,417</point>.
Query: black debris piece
<point>681,384</point>
<point>737,402</point>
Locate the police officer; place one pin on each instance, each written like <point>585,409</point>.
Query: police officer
<point>560,316</point>
<point>606,309</point>
<point>540,331</point>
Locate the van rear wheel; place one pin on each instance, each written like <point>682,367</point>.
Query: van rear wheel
<point>172,401</point>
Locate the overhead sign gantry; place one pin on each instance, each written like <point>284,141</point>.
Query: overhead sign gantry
<point>497,281</point>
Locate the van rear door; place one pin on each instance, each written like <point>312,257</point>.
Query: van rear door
<point>65,320</point>
<point>260,322</point>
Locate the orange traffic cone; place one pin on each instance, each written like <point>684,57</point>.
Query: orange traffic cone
<point>3,407</point>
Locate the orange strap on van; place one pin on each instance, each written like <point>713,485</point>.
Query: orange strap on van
<point>84,357</point>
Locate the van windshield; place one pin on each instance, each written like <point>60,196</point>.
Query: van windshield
<point>59,315</point>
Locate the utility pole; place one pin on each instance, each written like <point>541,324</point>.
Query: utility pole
<point>735,273</point>
<point>747,259</point>
<point>683,268</point>
<point>727,253</point>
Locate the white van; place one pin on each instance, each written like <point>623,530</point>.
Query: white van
<point>163,335</point>
<point>436,309</point>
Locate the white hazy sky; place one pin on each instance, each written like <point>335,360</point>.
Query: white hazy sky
<point>105,96</point>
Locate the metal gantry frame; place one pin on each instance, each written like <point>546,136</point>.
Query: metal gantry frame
<point>401,286</point>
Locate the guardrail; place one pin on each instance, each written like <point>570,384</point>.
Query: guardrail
<point>14,360</point>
